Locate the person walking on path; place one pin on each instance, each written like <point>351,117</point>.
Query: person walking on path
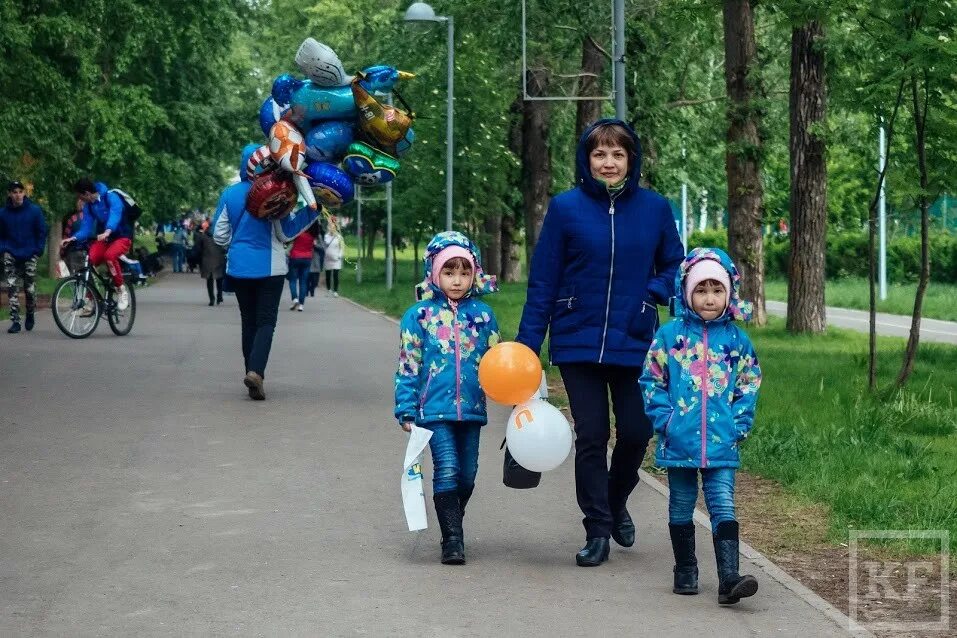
<point>23,236</point>
<point>300,260</point>
<point>212,264</point>
<point>318,254</point>
<point>180,235</point>
<point>103,219</point>
<point>332,262</point>
<point>700,384</point>
<point>442,339</point>
<point>605,259</point>
<point>256,268</point>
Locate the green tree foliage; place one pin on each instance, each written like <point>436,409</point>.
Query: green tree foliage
<point>154,97</point>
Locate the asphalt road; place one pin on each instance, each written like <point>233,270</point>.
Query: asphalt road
<point>142,493</point>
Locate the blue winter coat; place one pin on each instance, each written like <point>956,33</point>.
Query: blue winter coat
<point>441,344</point>
<point>23,230</point>
<point>701,379</point>
<point>255,246</point>
<point>105,213</point>
<point>602,264</point>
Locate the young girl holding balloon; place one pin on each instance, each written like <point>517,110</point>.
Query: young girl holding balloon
<point>442,339</point>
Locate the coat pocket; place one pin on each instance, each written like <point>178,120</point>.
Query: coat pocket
<point>644,322</point>
<point>425,395</point>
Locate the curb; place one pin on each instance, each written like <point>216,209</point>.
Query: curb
<point>763,562</point>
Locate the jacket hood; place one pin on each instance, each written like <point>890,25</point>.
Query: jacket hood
<point>102,189</point>
<point>484,284</point>
<point>248,150</point>
<point>737,307</point>
<point>583,176</point>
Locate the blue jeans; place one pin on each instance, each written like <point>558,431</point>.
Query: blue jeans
<point>179,256</point>
<point>299,278</point>
<point>455,451</point>
<point>717,485</point>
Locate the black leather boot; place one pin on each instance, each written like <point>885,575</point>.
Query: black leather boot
<point>594,553</point>
<point>465,493</point>
<point>449,513</point>
<point>733,587</point>
<point>622,527</point>
<point>686,565</point>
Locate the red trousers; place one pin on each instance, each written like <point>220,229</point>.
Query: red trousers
<point>110,251</point>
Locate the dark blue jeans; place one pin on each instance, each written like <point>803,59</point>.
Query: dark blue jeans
<point>717,485</point>
<point>455,451</point>
<point>258,306</point>
<point>603,490</point>
<point>299,278</point>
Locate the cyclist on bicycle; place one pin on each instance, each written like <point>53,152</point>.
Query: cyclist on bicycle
<point>103,219</point>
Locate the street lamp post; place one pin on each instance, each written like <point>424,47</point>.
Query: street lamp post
<point>423,12</point>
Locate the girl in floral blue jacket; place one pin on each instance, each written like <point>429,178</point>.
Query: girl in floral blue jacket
<point>443,338</point>
<point>700,384</point>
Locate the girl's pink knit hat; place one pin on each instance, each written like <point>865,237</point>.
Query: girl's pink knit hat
<point>702,271</point>
<point>444,255</point>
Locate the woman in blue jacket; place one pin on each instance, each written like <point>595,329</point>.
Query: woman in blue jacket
<point>256,265</point>
<point>605,259</point>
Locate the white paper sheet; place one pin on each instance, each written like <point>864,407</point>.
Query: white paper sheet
<point>413,494</point>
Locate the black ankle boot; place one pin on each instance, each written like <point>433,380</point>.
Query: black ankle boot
<point>622,527</point>
<point>449,513</point>
<point>594,553</point>
<point>733,587</point>
<point>686,565</point>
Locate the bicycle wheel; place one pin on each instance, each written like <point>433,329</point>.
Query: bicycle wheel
<point>76,310</point>
<point>121,321</point>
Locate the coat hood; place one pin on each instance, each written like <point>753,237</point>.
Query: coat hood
<point>483,284</point>
<point>248,150</point>
<point>583,176</point>
<point>737,307</point>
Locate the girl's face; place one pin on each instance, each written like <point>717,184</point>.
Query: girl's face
<point>455,281</point>
<point>709,299</point>
<point>608,163</point>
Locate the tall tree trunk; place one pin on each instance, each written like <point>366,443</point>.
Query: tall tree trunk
<point>745,195</point>
<point>808,236</point>
<point>53,246</point>
<point>492,250</point>
<point>536,159</point>
<point>511,263</point>
<point>593,64</point>
<point>920,129</point>
<point>871,246</point>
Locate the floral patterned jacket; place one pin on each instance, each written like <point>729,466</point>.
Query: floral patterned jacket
<point>441,344</point>
<point>701,378</point>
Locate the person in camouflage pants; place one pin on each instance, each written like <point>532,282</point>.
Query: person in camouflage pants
<point>23,236</point>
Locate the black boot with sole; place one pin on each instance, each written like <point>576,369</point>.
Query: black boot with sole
<point>449,513</point>
<point>686,564</point>
<point>733,586</point>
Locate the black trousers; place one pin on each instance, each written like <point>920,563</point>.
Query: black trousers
<point>258,306</point>
<point>332,280</point>
<point>601,490</point>
<point>219,289</point>
<point>313,283</point>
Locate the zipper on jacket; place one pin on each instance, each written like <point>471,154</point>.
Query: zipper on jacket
<point>425,394</point>
<point>458,360</point>
<point>704,403</point>
<point>611,277</point>
<point>569,300</point>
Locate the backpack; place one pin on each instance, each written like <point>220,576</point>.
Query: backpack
<point>131,210</point>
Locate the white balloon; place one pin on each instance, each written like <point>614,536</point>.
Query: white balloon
<point>538,435</point>
<point>321,64</point>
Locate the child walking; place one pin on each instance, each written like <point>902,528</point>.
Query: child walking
<point>700,384</point>
<point>442,339</point>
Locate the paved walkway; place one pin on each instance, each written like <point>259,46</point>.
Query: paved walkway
<point>888,325</point>
<point>142,493</point>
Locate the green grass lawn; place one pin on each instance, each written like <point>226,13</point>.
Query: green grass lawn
<point>940,302</point>
<point>877,463</point>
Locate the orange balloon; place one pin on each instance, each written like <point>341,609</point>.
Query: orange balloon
<point>510,373</point>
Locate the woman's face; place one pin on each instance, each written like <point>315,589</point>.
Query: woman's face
<point>609,163</point>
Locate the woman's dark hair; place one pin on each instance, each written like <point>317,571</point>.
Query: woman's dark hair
<point>611,134</point>
<point>456,263</point>
<point>84,185</point>
<point>314,229</point>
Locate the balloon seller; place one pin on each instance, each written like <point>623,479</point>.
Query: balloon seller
<point>700,384</point>
<point>442,339</point>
